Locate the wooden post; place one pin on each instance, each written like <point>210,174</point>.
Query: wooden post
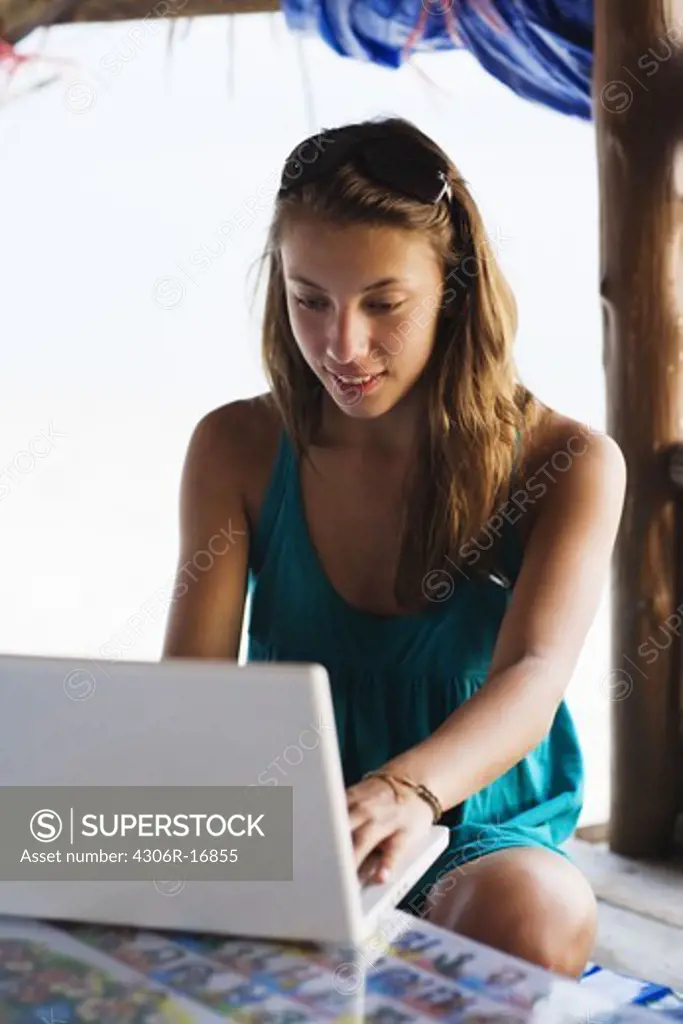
<point>638,103</point>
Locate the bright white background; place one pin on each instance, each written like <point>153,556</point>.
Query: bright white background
<point>117,333</point>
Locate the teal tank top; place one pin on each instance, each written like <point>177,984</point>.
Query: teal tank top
<point>395,678</point>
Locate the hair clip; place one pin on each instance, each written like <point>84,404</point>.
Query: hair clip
<point>446,189</point>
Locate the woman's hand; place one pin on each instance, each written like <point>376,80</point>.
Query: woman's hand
<point>384,828</point>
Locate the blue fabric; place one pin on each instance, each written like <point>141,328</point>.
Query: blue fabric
<point>541,49</point>
<point>395,679</point>
<point>627,990</point>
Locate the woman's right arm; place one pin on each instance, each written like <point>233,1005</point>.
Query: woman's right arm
<point>205,616</point>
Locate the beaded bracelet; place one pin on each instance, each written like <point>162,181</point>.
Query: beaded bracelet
<point>417,787</point>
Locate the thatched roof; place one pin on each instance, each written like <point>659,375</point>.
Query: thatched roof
<point>19,17</point>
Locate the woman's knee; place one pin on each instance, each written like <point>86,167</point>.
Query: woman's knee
<point>529,902</point>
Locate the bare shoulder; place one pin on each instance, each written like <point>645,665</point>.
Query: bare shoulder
<point>233,435</point>
<point>235,445</point>
<point>555,434</point>
<point>227,448</point>
<point>572,462</point>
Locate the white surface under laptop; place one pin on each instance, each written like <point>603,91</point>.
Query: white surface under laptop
<point>186,722</point>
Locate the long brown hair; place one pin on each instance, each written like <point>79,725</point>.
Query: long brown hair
<point>477,409</point>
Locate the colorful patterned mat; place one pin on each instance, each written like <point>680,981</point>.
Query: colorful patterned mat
<point>83,974</point>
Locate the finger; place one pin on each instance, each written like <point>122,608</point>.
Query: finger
<point>367,810</point>
<point>359,815</point>
<point>367,837</point>
<point>391,852</point>
<point>368,870</point>
<point>353,792</point>
<point>372,868</point>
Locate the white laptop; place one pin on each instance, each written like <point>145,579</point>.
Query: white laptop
<point>186,722</point>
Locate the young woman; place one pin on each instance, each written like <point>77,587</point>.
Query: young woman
<point>411,517</point>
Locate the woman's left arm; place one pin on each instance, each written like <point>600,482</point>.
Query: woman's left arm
<point>554,600</point>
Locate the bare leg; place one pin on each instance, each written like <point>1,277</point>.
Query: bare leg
<point>527,901</point>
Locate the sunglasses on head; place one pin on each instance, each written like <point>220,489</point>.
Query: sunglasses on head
<point>398,164</point>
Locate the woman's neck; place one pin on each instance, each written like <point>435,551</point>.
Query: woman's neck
<point>394,433</point>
